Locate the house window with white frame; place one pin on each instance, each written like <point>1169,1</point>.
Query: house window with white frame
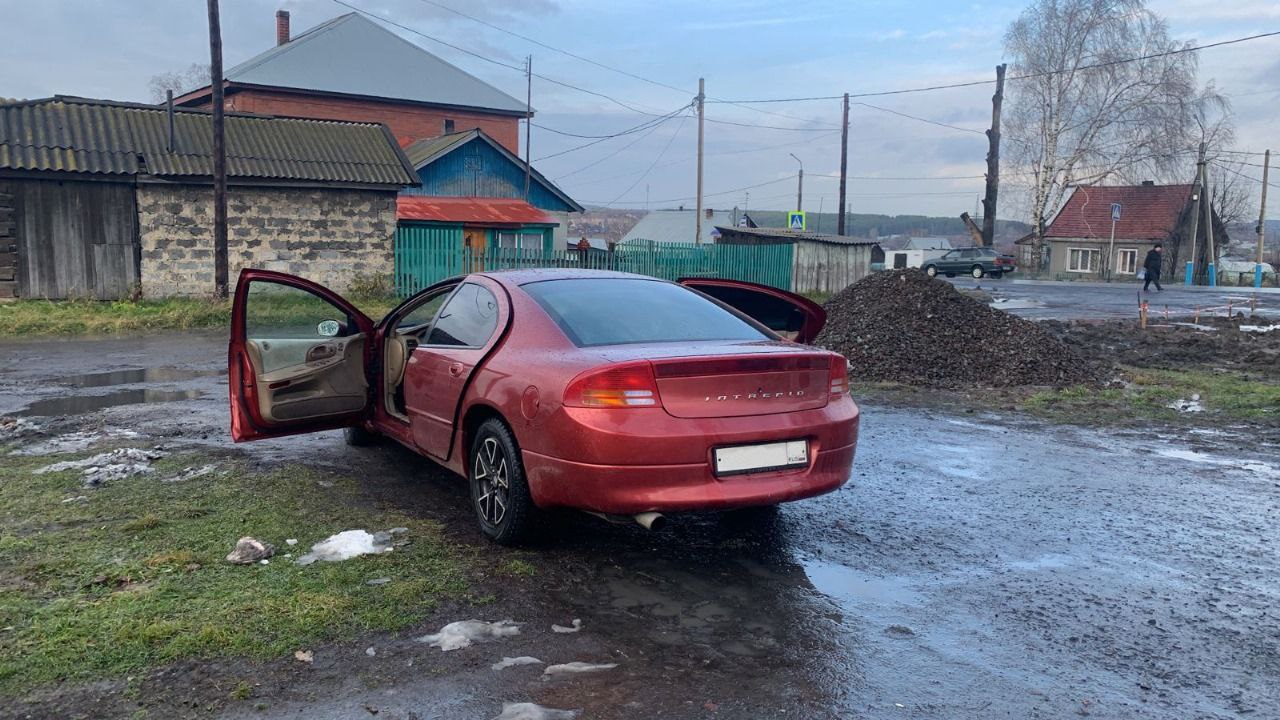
<point>1127,261</point>
<point>520,240</point>
<point>1083,260</point>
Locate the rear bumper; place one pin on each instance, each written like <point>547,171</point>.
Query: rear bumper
<point>627,488</point>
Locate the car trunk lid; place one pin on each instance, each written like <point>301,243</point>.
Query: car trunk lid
<point>732,385</point>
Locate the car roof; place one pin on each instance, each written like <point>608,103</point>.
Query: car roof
<point>531,275</point>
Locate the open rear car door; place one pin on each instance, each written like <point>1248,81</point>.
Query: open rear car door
<point>792,316</point>
<point>297,360</point>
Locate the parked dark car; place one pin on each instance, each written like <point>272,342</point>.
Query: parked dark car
<point>976,261</point>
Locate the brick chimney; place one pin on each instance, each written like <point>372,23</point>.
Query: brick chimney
<point>282,27</point>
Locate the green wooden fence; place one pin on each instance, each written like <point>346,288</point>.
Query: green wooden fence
<point>428,254</point>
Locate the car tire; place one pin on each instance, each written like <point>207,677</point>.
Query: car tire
<point>499,492</point>
<point>977,272</point>
<point>951,274</point>
<point>358,436</point>
<point>931,271</point>
<point>997,274</point>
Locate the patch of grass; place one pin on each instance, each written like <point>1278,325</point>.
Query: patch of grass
<point>516,567</point>
<point>91,317</point>
<point>134,578</point>
<point>1150,392</point>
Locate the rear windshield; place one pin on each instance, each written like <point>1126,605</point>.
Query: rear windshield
<point>621,311</point>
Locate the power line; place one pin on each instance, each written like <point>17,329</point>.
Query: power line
<point>772,127</point>
<point>616,152</point>
<point>499,63</point>
<point>1246,177</point>
<point>638,128</point>
<point>655,160</point>
<point>694,197</point>
<point>920,119</point>
<point>1027,76</point>
<point>642,126</point>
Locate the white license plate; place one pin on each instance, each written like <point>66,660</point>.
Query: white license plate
<point>761,458</point>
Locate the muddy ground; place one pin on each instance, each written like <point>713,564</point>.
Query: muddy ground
<point>977,565</point>
<point>1240,344</point>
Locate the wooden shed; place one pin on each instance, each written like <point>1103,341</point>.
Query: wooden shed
<point>821,263</point>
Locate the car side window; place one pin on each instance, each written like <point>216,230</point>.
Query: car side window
<point>468,319</point>
<point>422,315</point>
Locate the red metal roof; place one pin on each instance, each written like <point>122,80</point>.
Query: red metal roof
<point>1148,212</point>
<point>480,211</point>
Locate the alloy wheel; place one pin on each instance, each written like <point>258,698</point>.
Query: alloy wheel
<point>492,481</point>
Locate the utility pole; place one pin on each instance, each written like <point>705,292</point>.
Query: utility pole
<point>844,162</point>
<point>1262,219</point>
<point>1206,202</point>
<point>1197,193</point>
<point>800,187</point>
<point>528,121</point>
<point>702,94</point>
<point>220,282</point>
<point>993,163</point>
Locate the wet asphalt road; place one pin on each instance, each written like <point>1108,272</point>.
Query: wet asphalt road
<point>976,566</point>
<point>1040,300</point>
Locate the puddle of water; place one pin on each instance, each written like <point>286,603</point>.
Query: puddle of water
<point>848,585</point>
<point>1044,562</point>
<point>81,404</point>
<point>139,375</point>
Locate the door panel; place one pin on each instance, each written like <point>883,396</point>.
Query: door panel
<point>466,329</point>
<point>792,316</point>
<point>475,241</point>
<point>297,359</point>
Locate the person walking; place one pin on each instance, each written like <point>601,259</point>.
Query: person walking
<point>1152,265</point>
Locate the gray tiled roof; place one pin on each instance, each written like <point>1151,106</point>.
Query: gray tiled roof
<point>783,236</point>
<point>79,135</point>
<point>677,226</point>
<point>353,55</point>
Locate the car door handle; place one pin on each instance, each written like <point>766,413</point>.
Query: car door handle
<point>455,369</point>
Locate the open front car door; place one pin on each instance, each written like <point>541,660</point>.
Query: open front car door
<point>298,358</point>
<point>792,316</point>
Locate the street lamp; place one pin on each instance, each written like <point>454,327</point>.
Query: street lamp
<point>800,186</point>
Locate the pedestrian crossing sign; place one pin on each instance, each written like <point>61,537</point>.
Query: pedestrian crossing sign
<point>795,220</point>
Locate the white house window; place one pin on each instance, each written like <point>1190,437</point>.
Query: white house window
<point>523,241</point>
<point>1083,260</point>
<point>1127,261</point>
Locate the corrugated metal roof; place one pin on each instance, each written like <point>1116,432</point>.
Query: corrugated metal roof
<point>1147,212</point>
<point>678,226</point>
<point>422,152</point>
<point>353,55</point>
<point>102,137</point>
<point>487,211</point>
<point>783,235</point>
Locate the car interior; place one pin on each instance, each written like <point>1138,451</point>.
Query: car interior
<point>409,330</point>
<point>302,378</point>
<point>775,313</point>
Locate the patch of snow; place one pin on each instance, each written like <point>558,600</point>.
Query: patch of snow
<point>378,581</point>
<point>530,711</point>
<point>370,652</point>
<point>1187,405</point>
<point>346,545</point>
<point>1258,328</point>
<point>575,627</point>
<point>76,441</point>
<point>573,668</point>
<point>78,498</point>
<point>12,428</point>
<point>291,541</point>
<point>191,473</point>
<point>107,466</point>
<point>514,661</point>
<point>463,633</point>
<point>1196,326</point>
<point>1015,303</point>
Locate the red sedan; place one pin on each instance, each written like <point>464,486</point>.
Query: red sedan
<point>612,393</point>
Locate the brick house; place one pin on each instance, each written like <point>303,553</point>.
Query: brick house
<point>1079,238</point>
<point>351,68</point>
<point>104,198</point>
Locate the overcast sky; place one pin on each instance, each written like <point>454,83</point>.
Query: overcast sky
<point>744,49</point>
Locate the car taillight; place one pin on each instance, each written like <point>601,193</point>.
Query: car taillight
<point>628,385</point>
<point>839,376</point>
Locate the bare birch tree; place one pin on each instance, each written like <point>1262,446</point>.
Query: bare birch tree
<point>1084,116</point>
<point>194,77</point>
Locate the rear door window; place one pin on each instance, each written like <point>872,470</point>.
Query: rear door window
<point>609,311</point>
<point>468,319</point>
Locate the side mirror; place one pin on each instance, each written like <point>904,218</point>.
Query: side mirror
<point>328,328</point>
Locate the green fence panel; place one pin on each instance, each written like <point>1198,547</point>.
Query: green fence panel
<point>426,254</point>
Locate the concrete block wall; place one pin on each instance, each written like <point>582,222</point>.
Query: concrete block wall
<point>330,236</point>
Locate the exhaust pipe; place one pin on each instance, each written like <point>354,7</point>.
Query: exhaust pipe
<point>647,520</point>
<point>650,520</point>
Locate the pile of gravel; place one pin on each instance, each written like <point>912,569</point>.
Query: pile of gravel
<point>902,326</point>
